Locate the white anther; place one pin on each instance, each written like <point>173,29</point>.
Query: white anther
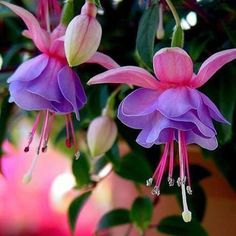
<point>77,155</point>
<point>149,182</point>
<point>156,191</point>
<point>189,190</point>
<point>171,181</point>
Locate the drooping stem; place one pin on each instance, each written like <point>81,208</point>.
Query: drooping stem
<point>109,109</point>
<point>178,34</point>
<point>174,12</point>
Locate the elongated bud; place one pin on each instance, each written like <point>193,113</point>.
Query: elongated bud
<point>160,29</point>
<point>101,135</point>
<point>1,61</point>
<point>83,35</point>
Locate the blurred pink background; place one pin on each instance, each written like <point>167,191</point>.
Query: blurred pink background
<point>40,208</point>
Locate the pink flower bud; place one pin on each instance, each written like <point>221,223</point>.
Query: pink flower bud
<point>83,36</point>
<point>101,135</point>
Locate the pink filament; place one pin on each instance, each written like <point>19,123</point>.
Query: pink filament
<point>185,158</point>
<point>161,167</point>
<point>32,133</point>
<point>43,132</point>
<point>68,143</point>
<point>181,164</point>
<point>171,161</point>
<point>184,165</point>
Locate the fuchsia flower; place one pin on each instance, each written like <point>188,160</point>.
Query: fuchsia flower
<point>46,82</point>
<point>170,109</point>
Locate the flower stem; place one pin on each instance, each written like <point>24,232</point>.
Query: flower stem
<point>178,34</point>
<point>109,109</point>
<point>174,12</point>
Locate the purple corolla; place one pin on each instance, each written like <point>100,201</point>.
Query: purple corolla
<point>47,84</point>
<point>170,109</point>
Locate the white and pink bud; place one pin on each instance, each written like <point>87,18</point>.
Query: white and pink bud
<point>83,35</point>
<point>102,133</point>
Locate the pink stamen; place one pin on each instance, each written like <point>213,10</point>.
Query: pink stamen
<point>44,127</point>
<point>171,161</point>
<point>161,167</point>
<point>68,143</point>
<point>181,163</point>
<point>185,157</point>
<point>32,133</point>
<point>48,131</point>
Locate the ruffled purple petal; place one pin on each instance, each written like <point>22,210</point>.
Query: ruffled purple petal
<point>26,100</point>
<point>213,110</point>
<point>135,122</point>
<point>45,85</point>
<point>142,138</point>
<point>63,107</point>
<point>207,143</point>
<point>72,89</point>
<point>140,102</point>
<point>30,69</point>
<point>195,122</point>
<point>175,102</point>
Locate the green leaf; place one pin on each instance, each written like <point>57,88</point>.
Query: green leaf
<point>146,35</point>
<point>174,225</point>
<point>80,169</point>
<point>225,161</point>
<point>114,218</point>
<point>75,208</point>
<point>113,156</point>
<point>134,167</point>
<point>98,3</point>
<point>3,79</point>
<point>198,173</point>
<point>67,12</point>
<point>141,212</point>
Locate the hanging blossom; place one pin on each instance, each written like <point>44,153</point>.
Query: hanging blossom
<point>170,109</point>
<point>47,84</point>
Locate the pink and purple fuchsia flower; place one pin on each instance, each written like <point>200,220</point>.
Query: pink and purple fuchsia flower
<point>47,84</point>
<point>170,109</point>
